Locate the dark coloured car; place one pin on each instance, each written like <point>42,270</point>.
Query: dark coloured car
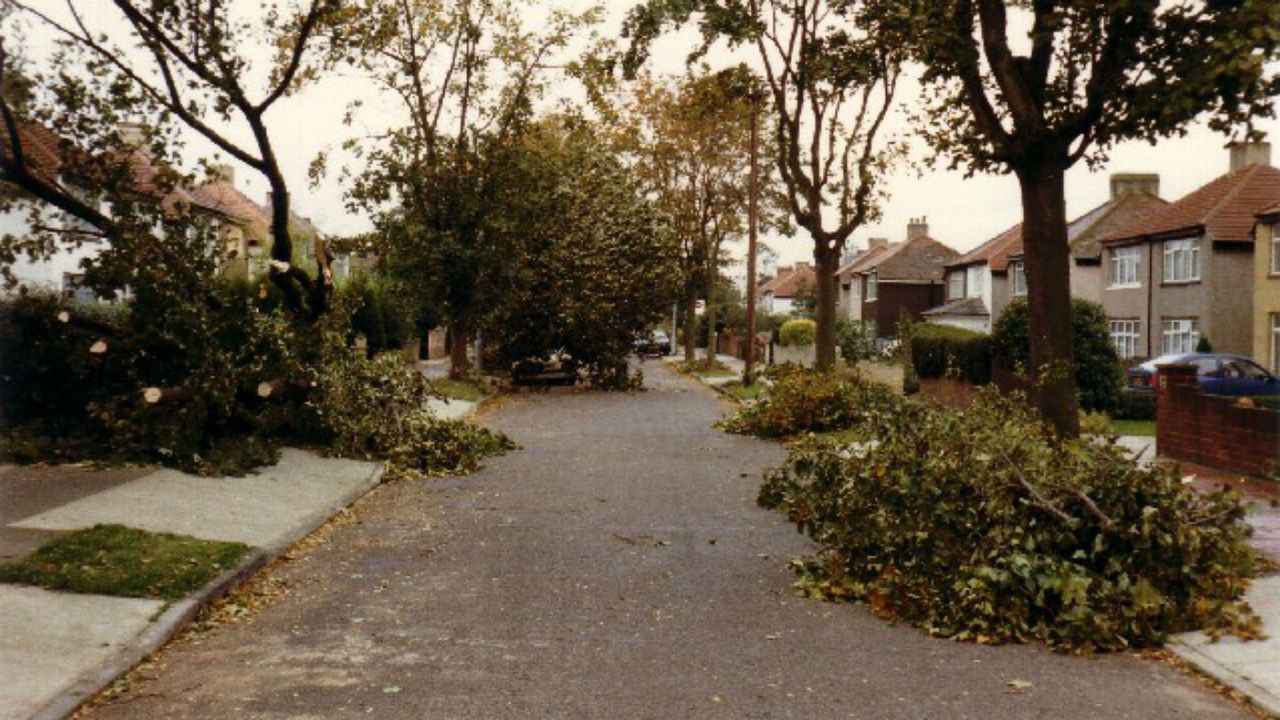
<point>556,367</point>
<point>1217,374</point>
<point>655,343</point>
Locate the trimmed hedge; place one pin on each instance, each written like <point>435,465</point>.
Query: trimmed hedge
<point>797,332</point>
<point>938,350</point>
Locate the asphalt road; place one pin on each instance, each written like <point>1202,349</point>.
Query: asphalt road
<point>615,567</point>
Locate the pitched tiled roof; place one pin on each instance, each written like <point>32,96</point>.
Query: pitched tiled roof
<point>867,258</point>
<point>788,282</point>
<point>224,199</point>
<point>995,251</point>
<point>1108,218</point>
<point>920,260</point>
<point>971,306</point>
<point>1224,209</point>
<point>40,147</point>
<point>1271,213</point>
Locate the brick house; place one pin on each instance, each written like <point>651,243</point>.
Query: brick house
<point>981,283</point>
<point>1186,271</point>
<point>1266,288</point>
<point>902,277</point>
<point>784,292</point>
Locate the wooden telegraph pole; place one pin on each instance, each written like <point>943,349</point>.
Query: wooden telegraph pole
<point>753,191</point>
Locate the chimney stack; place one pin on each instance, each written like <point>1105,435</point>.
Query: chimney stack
<point>1249,153</point>
<point>223,173</point>
<point>917,228</point>
<point>131,133</point>
<point>1133,183</point>
<point>874,243</point>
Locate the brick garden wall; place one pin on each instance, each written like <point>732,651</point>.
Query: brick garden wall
<point>1212,430</point>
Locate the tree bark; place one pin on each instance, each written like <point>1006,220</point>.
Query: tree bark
<point>826,263</point>
<point>690,321</point>
<point>709,315</point>
<point>458,363</point>
<point>1047,257</point>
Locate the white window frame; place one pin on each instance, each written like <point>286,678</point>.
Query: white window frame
<point>873,286</point>
<point>1019,273</point>
<point>954,293</point>
<point>1275,249</point>
<point>1181,261</point>
<point>974,281</point>
<point>1179,335</point>
<point>1125,267</point>
<point>1275,343</point>
<point>1125,336</point>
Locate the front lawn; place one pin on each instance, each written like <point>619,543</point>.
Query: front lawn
<point>126,562</point>
<point>1145,428</point>
<point>744,392</point>
<point>706,368</point>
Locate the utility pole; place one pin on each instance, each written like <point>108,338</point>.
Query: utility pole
<point>752,192</point>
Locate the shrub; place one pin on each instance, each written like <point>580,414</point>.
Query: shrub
<point>976,525</point>
<point>797,332</point>
<point>1203,345</point>
<point>940,350</point>
<point>857,340</point>
<point>1136,405</point>
<point>802,400</point>
<point>1099,374</point>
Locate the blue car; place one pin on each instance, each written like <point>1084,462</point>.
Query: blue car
<point>1233,375</point>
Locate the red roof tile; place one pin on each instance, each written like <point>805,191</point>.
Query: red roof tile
<point>1224,209</point>
<point>789,280</point>
<point>995,251</point>
<point>40,147</point>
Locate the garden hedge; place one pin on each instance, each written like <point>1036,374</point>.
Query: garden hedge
<point>1099,374</point>
<point>940,350</point>
<point>797,332</point>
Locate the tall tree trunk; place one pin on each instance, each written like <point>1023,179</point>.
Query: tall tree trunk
<point>458,363</point>
<point>690,322</point>
<point>1047,256</point>
<point>709,315</point>
<point>826,261</point>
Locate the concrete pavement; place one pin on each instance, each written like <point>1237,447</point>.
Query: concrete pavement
<point>56,649</point>
<point>615,567</point>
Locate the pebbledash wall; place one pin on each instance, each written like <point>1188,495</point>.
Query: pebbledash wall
<point>1212,430</point>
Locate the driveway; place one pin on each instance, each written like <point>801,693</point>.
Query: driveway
<point>615,567</point>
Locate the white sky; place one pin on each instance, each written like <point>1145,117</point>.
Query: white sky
<point>962,212</point>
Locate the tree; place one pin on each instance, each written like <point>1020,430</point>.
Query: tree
<point>830,88</point>
<point>688,141</point>
<point>190,69</point>
<point>465,73</point>
<point>597,258</point>
<point>1088,75</point>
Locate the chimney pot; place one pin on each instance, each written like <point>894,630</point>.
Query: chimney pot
<point>1249,153</point>
<point>1133,183</point>
<point>917,228</point>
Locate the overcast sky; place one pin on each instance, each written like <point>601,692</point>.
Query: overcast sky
<point>961,212</point>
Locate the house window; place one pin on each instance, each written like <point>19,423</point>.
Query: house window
<point>975,281</point>
<point>1275,342</point>
<point>1019,272</point>
<point>1124,335</point>
<point>1180,335</point>
<point>1124,267</point>
<point>1275,249</point>
<point>1181,261</point>
<point>872,285</point>
<point>955,285</point>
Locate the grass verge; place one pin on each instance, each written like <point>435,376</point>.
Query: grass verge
<point>743,392</point>
<point>126,562</point>
<point>457,389</point>
<point>1145,428</point>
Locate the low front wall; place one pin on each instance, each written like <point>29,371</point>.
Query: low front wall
<point>1212,430</point>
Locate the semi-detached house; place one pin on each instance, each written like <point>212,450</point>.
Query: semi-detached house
<point>1186,272</point>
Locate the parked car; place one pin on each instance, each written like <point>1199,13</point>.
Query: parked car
<point>555,367</point>
<point>1216,374</point>
<point>655,343</point>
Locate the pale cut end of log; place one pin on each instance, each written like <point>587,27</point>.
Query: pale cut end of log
<point>152,395</point>
<point>64,317</point>
<point>279,266</point>
<point>265,389</point>
<point>98,348</point>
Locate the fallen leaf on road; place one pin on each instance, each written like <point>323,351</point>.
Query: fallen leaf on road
<point>1019,684</point>
<point>391,689</point>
